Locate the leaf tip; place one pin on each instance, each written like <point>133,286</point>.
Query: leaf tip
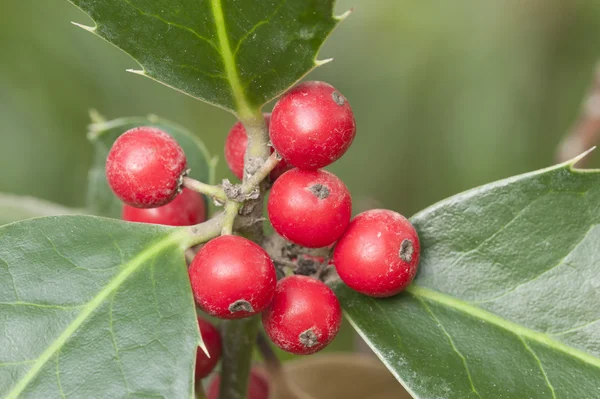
<point>579,157</point>
<point>319,63</point>
<point>91,29</point>
<point>137,71</point>
<point>342,17</point>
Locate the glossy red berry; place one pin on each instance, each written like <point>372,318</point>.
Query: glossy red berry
<point>232,277</point>
<point>186,209</point>
<point>258,386</point>
<point>304,317</point>
<point>235,149</point>
<point>212,341</point>
<point>312,125</point>
<point>144,167</point>
<point>311,208</point>
<point>378,254</point>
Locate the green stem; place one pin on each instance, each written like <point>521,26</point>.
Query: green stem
<point>231,212</point>
<point>238,337</point>
<point>215,192</point>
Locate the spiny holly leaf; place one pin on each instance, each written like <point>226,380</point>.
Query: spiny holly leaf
<point>93,307</point>
<point>237,55</point>
<point>506,302</point>
<point>101,200</point>
<point>19,207</point>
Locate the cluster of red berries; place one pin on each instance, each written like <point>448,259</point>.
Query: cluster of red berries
<point>311,126</point>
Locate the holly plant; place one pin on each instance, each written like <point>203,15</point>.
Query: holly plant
<point>492,293</point>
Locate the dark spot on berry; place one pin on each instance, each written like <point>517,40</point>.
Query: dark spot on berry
<point>308,338</point>
<point>338,98</point>
<point>320,191</point>
<point>406,250</point>
<point>241,306</point>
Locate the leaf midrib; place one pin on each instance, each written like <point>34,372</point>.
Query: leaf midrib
<point>517,329</point>
<point>128,269</point>
<point>243,108</point>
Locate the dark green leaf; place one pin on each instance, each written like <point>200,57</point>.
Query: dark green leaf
<point>506,301</point>
<point>101,200</point>
<point>237,55</point>
<point>94,308</point>
<point>19,207</point>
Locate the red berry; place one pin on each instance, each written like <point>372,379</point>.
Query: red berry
<point>232,277</point>
<point>186,209</point>
<point>258,386</point>
<point>212,341</point>
<point>144,167</point>
<point>235,148</point>
<point>304,317</point>
<point>378,254</point>
<point>311,208</point>
<point>312,125</point>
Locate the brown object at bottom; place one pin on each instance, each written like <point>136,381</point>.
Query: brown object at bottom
<point>343,376</point>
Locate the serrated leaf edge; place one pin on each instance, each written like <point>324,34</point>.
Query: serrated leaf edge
<point>245,111</point>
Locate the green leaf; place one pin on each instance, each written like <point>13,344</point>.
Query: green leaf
<point>93,307</point>
<point>101,200</point>
<point>506,301</point>
<point>237,55</point>
<point>19,207</point>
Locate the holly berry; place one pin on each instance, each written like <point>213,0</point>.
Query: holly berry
<point>258,386</point>
<point>144,167</point>
<point>186,209</point>
<point>235,149</point>
<point>212,341</point>
<point>312,125</point>
<point>232,277</point>
<point>311,208</point>
<point>378,254</point>
<point>304,317</point>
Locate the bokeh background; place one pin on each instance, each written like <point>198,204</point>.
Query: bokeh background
<point>448,95</point>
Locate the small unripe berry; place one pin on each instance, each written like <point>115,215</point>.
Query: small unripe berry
<point>311,208</point>
<point>212,341</point>
<point>144,167</point>
<point>304,317</point>
<point>258,386</point>
<point>186,209</point>
<point>232,277</point>
<point>235,149</point>
<point>312,125</point>
<point>378,254</point>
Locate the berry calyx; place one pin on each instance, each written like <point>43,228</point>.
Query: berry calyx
<point>212,340</point>
<point>258,386</point>
<point>235,149</point>
<point>312,125</point>
<point>378,254</point>
<point>311,208</point>
<point>144,167</point>
<point>304,317</point>
<point>232,277</point>
<point>188,208</point>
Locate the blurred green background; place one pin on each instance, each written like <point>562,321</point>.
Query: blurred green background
<point>448,95</point>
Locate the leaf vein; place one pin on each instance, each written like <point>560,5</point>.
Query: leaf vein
<point>170,23</point>
<point>539,362</point>
<point>560,263</point>
<point>451,341</point>
<point>473,311</point>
